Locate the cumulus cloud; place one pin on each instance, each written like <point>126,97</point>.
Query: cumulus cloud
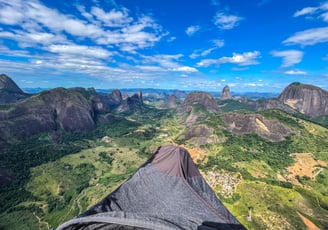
<point>247,58</point>
<point>92,41</point>
<point>191,30</point>
<point>320,11</point>
<point>244,59</point>
<point>115,27</point>
<point>226,21</point>
<point>308,37</point>
<point>289,57</point>
<point>295,72</point>
<point>113,18</point>
<point>167,63</point>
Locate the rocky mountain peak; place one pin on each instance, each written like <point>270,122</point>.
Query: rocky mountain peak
<point>307,99</point>
<point>9,91</point>
<point>135,101</point>
<point>7,84</point>
<point>226,95</point>
<point>115,97</point>
<point>200,98</point>
<point>171,102</point>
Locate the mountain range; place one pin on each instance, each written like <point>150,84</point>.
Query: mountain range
<point>63,149</point>
<point>79,109</point>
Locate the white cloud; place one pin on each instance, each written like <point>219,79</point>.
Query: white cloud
<point>59,40</point>
<point>244,59</point>
<point>289,57</point>
<point>167,63</point>
<point>202,53</point>
<point>218,43</point>
<point>308,37</point>
<point>171,39</point>
<point>185,69</point>
<point>207,62</point>
<point>115,27</point>
<point>226,21</point>
<point>320,11</point>
<point>191,30</point>
<point>295,72</point>
<point>114,18</point>
<point>80,50</point>
<point>207,52</point>
<point>254,84</point>
<point>305,11</point>
<point>9,15</point>
<point>247,58</point>
<point>324,16</point>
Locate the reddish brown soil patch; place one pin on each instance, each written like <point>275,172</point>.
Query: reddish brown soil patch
<point>309,224</point>
<point>305,165</point>
<point>195,153</point>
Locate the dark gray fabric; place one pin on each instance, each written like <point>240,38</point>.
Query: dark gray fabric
<point>167,192</point>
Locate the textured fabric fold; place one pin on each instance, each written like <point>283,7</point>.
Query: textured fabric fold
<point>167,192</point>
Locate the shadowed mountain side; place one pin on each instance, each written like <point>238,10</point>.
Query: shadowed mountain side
<point>9,91</point>
<point>130,103</point>
<point>75,109</point>
<point>50,110</point>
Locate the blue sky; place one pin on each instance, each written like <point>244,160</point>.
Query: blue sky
<point>254,45</point>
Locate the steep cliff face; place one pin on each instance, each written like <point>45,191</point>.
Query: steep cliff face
<point>199,98</point>
<point>307,99</point>
<point>6,83</point>
<point>115,97</point>
<point>50,110</point>
<point>130,103</point>
<point>72,111</point>
<point>226,95</point>
<point>9,91</point>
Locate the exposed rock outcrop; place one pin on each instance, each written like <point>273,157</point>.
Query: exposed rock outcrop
<point>241,123</point>
<point>9,91</point>
<point>48,111</point>
<point>171,102</point>
<point>307,99</point>
<point>226,95</point>
<point>133,102</point>
<point>264,104</point>
<point>115,98</point>
<point>6,83</point>
<point>198,135</point>
<point>203,99</point>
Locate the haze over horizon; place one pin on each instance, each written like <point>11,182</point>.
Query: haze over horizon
<point>258,46</point>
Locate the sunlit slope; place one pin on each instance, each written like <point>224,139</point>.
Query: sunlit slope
<point>263,180</point>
